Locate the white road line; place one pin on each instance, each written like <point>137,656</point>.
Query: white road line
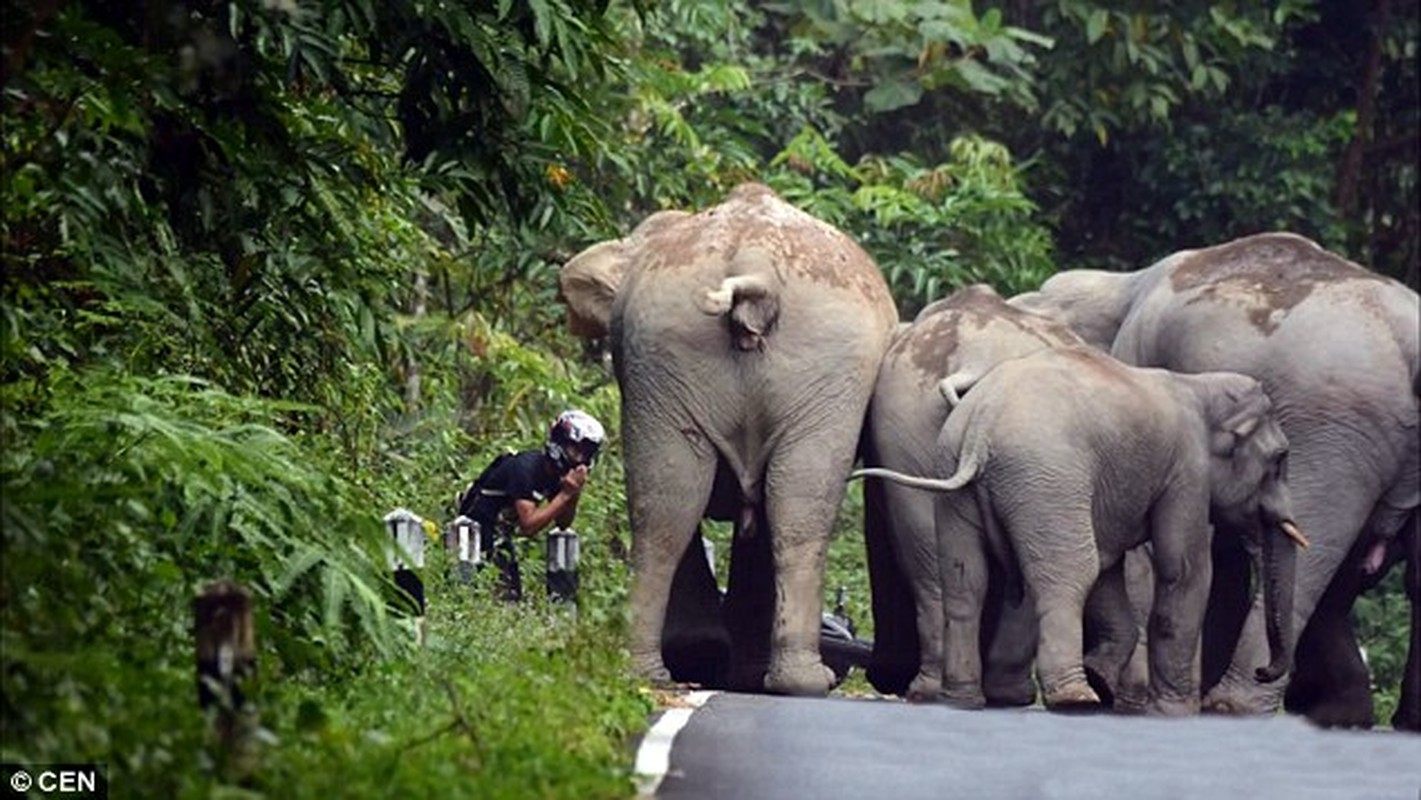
<point>653,757</point>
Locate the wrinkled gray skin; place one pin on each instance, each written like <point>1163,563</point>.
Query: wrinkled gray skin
<point>746,339</point>
<point>1335,346</point>
<point>961,337</point>
<point>1063,460</point>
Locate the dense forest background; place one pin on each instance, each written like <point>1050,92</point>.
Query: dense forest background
<point>272,268</point>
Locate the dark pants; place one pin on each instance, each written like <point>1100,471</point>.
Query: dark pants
<point>510,581</point>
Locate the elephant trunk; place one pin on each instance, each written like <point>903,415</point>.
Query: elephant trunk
<point>1279,572</point>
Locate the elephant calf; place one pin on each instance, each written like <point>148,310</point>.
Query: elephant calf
<point>954,341</point>
<point>1073,458</point>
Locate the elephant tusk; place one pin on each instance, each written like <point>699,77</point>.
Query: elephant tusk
<point>1293,533</point>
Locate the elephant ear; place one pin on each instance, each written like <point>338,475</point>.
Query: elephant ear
<point>587,285</point>
<point>1242,413</point>
<point>588,282</point>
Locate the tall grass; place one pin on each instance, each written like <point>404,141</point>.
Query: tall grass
<point>505,701</point>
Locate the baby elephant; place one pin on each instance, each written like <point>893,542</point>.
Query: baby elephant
<point>1072,459</point>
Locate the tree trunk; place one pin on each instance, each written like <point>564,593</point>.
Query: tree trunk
<point>1349,174</point>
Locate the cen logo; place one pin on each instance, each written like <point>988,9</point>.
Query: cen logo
<point>58,780</point>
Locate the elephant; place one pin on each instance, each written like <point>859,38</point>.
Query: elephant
<point>956,339</point>
<point>745,340</point>
<point>1331,683</point>
<point>1066,459</point>
<point>1335,346</point>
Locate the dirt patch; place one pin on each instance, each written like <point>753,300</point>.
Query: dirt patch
<point>963,319</point>
<point>753,217</point>
<point>1267,274</point>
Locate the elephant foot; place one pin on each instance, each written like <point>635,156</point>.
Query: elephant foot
<point>1406,719</point>
<point>1347,709</point>
<point>1233,701</point>
<point>1408,710</point>
<point>1342,715</point>
<point>808,679</point>
<point>890,676</point>
<point>962,696</point>
<point>924,689</point>
<point>962,702</point>
<point>651,668</point>
<point>1131,699</point>
<point>1014,693</point>
<point>1072,697</point>
<point>1172,706</point>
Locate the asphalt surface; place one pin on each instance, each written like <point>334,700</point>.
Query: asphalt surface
<point>755,746</point>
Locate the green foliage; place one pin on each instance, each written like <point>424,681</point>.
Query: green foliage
<point>1282,182</point>
<point>219,199</point>
<point>905,49</point>
<point>1186,124</point>
<point>1380,617</point>
<point>715,101</point>
<point>1137,67</point>
<point>271,270</point>
<point>502,702</point>
<point>931,229</point>
<point>121,499</point>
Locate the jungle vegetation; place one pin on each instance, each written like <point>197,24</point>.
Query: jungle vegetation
<point>272,268</point>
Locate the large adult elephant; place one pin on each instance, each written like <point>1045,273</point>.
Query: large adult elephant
<point>746,339</point>
<point>1063,460</point>
<point>1335,346</point>
<point>960,337</point>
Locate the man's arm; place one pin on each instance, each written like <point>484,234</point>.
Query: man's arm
<point>569,512</point>
<point>562,507</point>
<point>532,518</point>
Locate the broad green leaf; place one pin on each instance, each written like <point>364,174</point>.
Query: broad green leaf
<point>1095,25</point>
<point>893,94</point>
<point>978,77</point>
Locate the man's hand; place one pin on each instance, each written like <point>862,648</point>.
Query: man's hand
<point>574,480</point>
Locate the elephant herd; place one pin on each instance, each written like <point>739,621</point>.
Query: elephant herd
<point>1156,491</point>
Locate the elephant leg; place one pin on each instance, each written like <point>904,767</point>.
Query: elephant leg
<point>895,638</point>
<point>1330,682</point>
<point>804,486</point>
<point>916,538</point>
<point>962,564</point>
<point>1111,623</point>
<point>1332,509</point>
<point>669,481</point>
<point>750,607</point>
<point>1060,570</point>
<point>1133,693</point>
<point>1009,636</point>
<point>1180,538</point>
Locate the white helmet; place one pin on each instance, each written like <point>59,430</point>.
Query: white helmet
<point>574,427</point>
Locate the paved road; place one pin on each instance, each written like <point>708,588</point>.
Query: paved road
<point>752,746</point>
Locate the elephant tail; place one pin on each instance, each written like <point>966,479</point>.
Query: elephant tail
<point>750,301</point>
<point>966,471</point>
